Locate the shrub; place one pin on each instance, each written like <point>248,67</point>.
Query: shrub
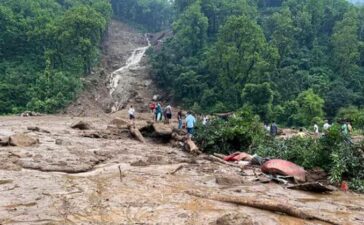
<point>240,132</point>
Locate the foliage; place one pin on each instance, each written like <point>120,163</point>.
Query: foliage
<point>306,52</point>
<point>154,15</point>
<point>242,131</point>
<point>45,47</point>
<point>352,114</point>
<point>310,108</point>
<point>333,152</point>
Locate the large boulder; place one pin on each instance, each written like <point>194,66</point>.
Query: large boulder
<point>22,140</point>
<point>163,130</point>
<point>81,125</point>
<point>285,168</point>
<point>4,141</point>
<point>119,123</point>
<point>235,219</point>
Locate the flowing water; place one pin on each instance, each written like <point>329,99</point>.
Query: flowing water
<point>118,76</point>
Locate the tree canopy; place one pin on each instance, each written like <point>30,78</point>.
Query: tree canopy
<point>45,46</point>
<point>274,55</point>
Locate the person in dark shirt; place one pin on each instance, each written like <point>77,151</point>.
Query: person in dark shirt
<point>179,115</point>
<point>273,129</point>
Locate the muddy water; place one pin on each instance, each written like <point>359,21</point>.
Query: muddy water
<point>116,192</point>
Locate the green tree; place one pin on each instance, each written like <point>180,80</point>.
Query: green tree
<point>310,108</point>
<point>260,98</point>
<point>346,46</point>
<point>191,31</point>
<point>240,56</point>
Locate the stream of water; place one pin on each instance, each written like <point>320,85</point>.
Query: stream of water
<point>132,63</point>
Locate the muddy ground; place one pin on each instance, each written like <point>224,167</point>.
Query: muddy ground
<point>71,179</point>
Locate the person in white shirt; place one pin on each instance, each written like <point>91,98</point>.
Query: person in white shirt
<point>205,120</point>
<point>326,126</point>
<point>131,113</point>
<point>316,130</point>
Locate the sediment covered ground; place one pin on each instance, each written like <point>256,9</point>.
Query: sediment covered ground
<point>71,179</point>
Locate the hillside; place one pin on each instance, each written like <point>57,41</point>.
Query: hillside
<point>243,64</point>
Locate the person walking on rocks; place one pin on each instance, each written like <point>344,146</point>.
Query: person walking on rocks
<point>179,115</point>
<point>168,114</point>
<point>158,112</point>
<point>190,124</point>
<point>131,113</point>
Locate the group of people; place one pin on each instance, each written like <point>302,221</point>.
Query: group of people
<point>346,128</point>
<point>160,113</point>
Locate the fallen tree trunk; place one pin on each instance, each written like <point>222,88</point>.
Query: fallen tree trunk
<point>264,204</point>
<point>216,159</point>
<point>136,134</point>
<point>191,146</point>
<point>178,137</point>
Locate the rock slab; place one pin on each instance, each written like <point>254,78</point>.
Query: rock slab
<point>22,140</point>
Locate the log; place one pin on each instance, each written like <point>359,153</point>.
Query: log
<point>176,170</point>
<point>216,159</point>
<point>221,156</point>
<point>178,137</point>
<point>191,146</point>
<point>272,205</point>
<point>136,134</point>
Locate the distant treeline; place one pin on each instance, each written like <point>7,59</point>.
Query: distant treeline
<point>153,15</point>
<point>45,46</point>
<point>294,61</point>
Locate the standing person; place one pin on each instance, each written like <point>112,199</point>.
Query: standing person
<point>152,107</point>
<point>350,128</point>
<point>316,130</point>
<point>168,113</point>
<point>301,134</point>
<point>326,126</point>
<point>205,120</point>
<point>158,112</point>
<point>344,129</point>
<point>179,115</point>
<point>131,113</point>
<point>266,127</point>
<point>190,124</point>
<point>273,129</point>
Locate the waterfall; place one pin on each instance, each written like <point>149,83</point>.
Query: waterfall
<point>132,63</point>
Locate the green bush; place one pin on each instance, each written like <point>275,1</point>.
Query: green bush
<point>333,152</point>
<point>353,114</point>
<point>239,133</point>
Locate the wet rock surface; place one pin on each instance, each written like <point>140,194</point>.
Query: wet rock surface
<point>71,179</point>
<point>22,140</point>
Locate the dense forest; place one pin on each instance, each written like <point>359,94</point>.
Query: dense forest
<point>294,61</point>
<point>45,47</point>
<point>150,15</point>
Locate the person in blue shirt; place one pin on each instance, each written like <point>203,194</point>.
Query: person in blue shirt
<point>190,124</point>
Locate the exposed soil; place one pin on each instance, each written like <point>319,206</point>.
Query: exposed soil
<point>136,86</point>
<point>101,176</point>
<point>71,179</point>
